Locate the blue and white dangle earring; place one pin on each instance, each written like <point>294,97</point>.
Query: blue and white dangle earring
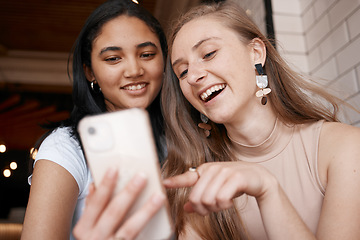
<point>262,83</point>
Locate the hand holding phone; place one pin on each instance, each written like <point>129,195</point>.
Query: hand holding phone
<point>124,140</point>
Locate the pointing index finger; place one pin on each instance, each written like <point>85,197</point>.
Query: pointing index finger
<point>187,179</point>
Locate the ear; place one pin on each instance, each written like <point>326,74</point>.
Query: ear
<point>88,73</point>
<point>258,50</point>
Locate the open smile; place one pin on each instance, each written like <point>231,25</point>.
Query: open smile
<point>134,87</point>
<point>212,92</point>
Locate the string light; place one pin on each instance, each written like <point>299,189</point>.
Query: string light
<point>33,153</point>
<point>135,1</point>
<point>13,165</point>
<point>2,148</point>
<point>7,173</point>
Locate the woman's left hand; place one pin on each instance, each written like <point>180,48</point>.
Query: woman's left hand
<point>215,185</point>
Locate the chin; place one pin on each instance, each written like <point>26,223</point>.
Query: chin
<point>219,118</point>
<point>142,105</point>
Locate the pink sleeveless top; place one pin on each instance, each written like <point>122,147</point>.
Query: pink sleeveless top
<point>291,154</point>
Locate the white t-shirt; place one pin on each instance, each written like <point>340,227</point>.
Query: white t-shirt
<point>59,147</point>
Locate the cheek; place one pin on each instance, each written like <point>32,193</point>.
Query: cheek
<point>186,90</point>
<point>157,84</point>
<point>106,78</point>
<point>158,74</point>
<point>156,78</point>
<point>105,74</point>
<point>156,69</point>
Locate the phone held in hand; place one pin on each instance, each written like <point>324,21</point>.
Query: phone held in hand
<point>124,140</point>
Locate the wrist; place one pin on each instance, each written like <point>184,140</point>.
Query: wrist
<point>271,189</point>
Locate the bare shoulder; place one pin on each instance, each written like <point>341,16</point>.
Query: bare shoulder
<point>50,180</point>
<point>50,183</point>
<point>339,136</point>
<point>339,150</point>
<point>339,172</point>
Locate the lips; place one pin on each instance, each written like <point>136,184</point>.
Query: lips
<point>134,87</point>
<point>211,92</point>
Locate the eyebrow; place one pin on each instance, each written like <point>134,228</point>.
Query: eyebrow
<point>197,45</point>
<point>112,48</point>
<point>146,44</point>
<point>115,48</point>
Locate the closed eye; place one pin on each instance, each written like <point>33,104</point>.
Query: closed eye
<point>209,55</point>
<point>182,75</point>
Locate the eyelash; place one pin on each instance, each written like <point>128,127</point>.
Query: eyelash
<point>112,59</point>
<point>209,55</point>
<point>183,74</point>
<point>143,55</point>
<point>148,55</point>
<point>206,56</point>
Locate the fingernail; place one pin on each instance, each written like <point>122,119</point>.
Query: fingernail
<point>139,179</point>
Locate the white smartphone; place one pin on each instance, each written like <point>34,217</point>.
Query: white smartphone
<point>124,140</point>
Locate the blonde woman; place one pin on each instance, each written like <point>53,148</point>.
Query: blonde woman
<point>277,163</point>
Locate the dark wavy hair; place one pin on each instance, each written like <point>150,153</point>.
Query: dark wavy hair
<point>85,100</point>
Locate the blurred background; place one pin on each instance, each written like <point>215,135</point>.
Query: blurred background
<point>320,38</point>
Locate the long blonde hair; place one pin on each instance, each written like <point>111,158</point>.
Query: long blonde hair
<point>188,146</point>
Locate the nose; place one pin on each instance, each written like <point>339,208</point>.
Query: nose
<point>195,73</point>
<point>133,69</point>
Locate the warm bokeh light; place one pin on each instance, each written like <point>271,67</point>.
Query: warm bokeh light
<point>248,12</point>
<point>2,148</point>
<point>13,165</point>
<point>135,1</point>
<point>7,173</point>
<point>33,153</point>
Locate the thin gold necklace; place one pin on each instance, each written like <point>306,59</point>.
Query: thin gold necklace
<point>257,145</point>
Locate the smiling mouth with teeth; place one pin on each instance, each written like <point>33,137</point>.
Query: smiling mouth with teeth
<point>212,92</point>
<point>135,87</point>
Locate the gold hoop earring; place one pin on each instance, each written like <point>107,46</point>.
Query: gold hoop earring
<point>95,86</point>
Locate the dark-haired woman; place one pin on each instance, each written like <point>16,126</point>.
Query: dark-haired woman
<point>118,63</point>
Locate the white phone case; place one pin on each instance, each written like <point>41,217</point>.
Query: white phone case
<point>124,140</point>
